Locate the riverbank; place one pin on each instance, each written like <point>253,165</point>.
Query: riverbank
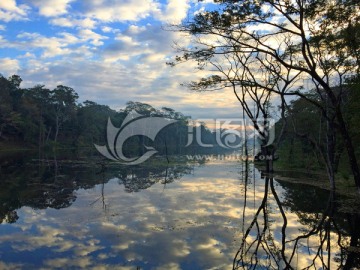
<point>346,191</point>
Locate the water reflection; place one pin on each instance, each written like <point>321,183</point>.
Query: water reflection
<point>73,215</point>
<point>299,231</point>
<point>52,183</point>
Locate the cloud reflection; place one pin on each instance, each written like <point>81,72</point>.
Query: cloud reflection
<point>197,222</point>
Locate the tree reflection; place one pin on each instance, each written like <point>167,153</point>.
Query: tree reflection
<point>138,178</point>
<point>52,183</point>
<point>103,182</point>
<point>272,239</point>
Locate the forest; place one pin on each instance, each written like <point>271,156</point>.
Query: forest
<point>305,140</point>
<point>37,117</point>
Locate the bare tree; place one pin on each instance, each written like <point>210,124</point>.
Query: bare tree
<point>290,40</point>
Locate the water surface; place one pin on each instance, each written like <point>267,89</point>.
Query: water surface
<point>70,215</point>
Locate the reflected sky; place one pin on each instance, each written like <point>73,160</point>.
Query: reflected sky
<point>198,221</point>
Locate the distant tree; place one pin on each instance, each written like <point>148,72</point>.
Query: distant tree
<point>139,107</point>
<point>10,120</point>
<point>63,100</point>
<point>39,116</point>
<point>36,110</point>
<point>91,120</point>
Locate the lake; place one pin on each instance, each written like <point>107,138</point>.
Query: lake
<point>60,214</point>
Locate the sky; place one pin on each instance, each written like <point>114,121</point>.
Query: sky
<point>109,51</point>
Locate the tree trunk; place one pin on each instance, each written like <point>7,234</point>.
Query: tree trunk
<point>245,136</point>
<point>343,129</point>
<point>349,148</point>
<point>330,148</point>
<point>57,129</point>
<point>48,135</point>
<point>268,156</point>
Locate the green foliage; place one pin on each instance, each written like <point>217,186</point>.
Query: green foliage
<point>307,127</point>
<point>40,117</point>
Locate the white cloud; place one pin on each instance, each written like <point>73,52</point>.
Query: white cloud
<point>70,22</point>
<point>174,12</point>
<point>52,46</point>
<point>10,5</point>
<point>27,55</point>
<point>52,8</point>
<point>2,27</point>
<point>100,59</point>
<point>68,39</point>
<point>94,38</point>
<point>106,29</point>
<point>64,44</point>
<point>139,77</point>
<point>141,44</point>
<point>9,66</point>
<point>10,11</point>
<point>134,29</point>
<point>120,11</point>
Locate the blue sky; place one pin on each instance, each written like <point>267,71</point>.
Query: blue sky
<point>109,51</point>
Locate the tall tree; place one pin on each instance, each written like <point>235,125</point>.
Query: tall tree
<point>64,104</point>
<point>10,120</point>
<point>36,109</point>
<point>306,39</point>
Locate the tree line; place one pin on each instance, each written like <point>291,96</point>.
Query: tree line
<point>40,117</point>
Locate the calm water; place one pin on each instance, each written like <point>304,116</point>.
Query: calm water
<point>61,215</point>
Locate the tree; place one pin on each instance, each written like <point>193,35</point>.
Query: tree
<point>36,109</point>
<point>91,118</point>
<point>295,40</point>
<point>64,105</point>
<point>10,120</point>
<point>141,108</point>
